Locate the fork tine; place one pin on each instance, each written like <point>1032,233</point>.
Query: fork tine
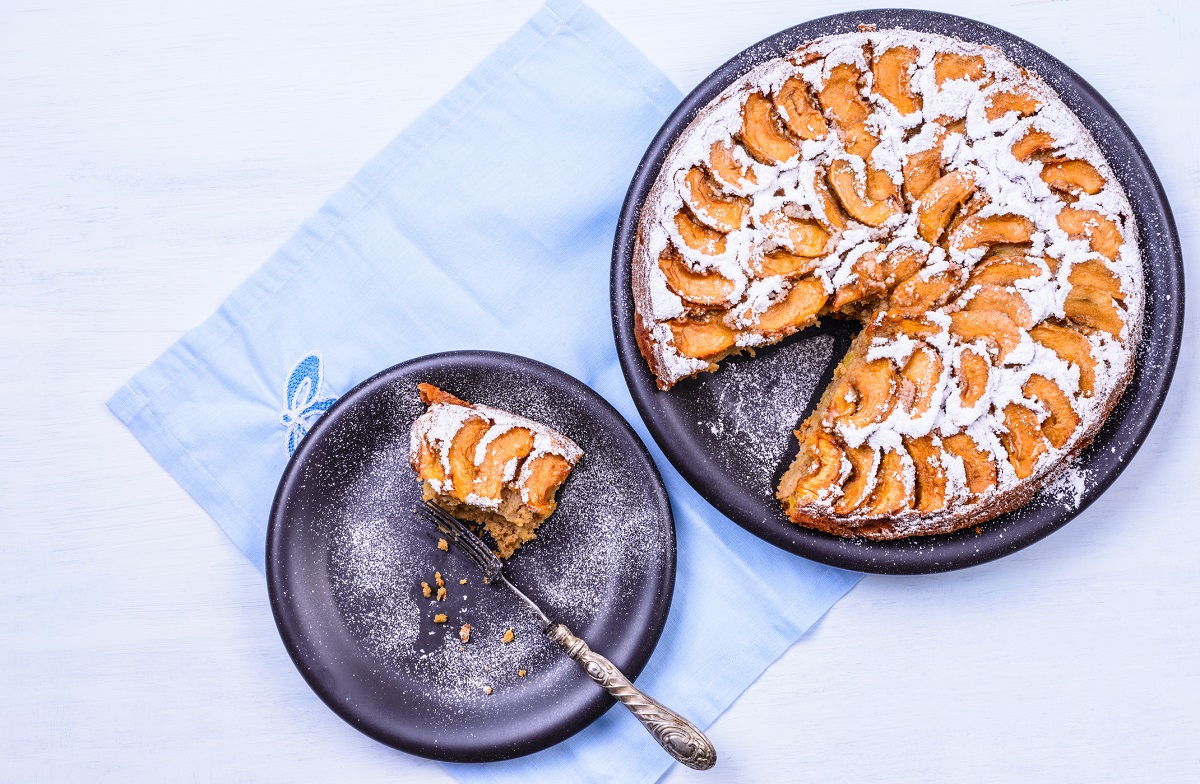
<point>462,536</point>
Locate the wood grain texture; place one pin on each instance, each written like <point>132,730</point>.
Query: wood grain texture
<point>152,155</point>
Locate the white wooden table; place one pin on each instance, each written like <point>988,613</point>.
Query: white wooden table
<point>152,154</point>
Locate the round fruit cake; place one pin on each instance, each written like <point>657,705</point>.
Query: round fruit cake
<point>949,201</point>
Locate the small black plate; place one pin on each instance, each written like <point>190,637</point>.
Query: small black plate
<point>346,558</point>
<point>729,433</point>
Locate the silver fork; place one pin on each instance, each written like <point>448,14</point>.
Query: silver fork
<point>678,736</point>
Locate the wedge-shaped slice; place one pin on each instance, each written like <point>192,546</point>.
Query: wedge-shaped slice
<point>1102,234</point>
<point>835,217</point>
<point>1061,422</point>
<point>918,295</point>
<point>1093,308</point>
<point>798,309</point>
<point>1095,274</point>
<point>1023,439</point>
<point>462,456</point>
<point>707,289</point>
<point>728,169</point>
<point>949,65</point>
<point>815,474</point>
<point>1074,177</point>
<point>994,329</point>
<point>980,232</point>
<point>761,134</point>
<point>707,339</point>
<point>542,477</point>
<point>1072,348</point>
<point>799,111</point>
<point>863,462</point>
<point>1018,100</point>
<point>921,375</point>
<point>841,100</point>
<point>804,237</point>
<point>891,70</point>
<point>844,182</point>
<point>697,236</point>
<point>1002,300</point>
<point>972,377</point>
<point>891,494</point>
<point>1005,271</point>
<point>513,444</point>
<point>710,205</point>
<point>930,473</point>
<point>939,202</point>
<point>980,468</point>
<point>784,264</point>
<point>1034,142</point>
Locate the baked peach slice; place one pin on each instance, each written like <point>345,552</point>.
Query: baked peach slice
<point>858,487</point>
<point>980,468</point>
<point>697,236</point>
<point>462,456</point>
<point>543,475</point>
<point>1096,275</point>
<point>891,71</point>
<point>995,329</point>
<point>841,99</point>
<point>799,308</point>
<point>902,325</point>
<point>922,169</point>
<point>728,169</point>
<point>1034,142</point>
<point>930,473</point>
<point>982,232</point>
<point>949,65</point>
<point>784,264</point>
<point>799,111</point>
<point>1062,420</point>
<point>1102,234</point>
<point>1093,308</point>
<point>1072,348</point>
<point>1005,271</point>
<point>890,495</point>
<point>513,444</point>
<point>1023,440</point>
<point>1019,100</point>
<point>874,385</point>
<point>921,375</point>
<point>1073,177</point>
<point>710,205</point>
<point>875,272</point>
<point>972,376</point>
<point>815,474</point>
<point>939,202</point>
<point>706,339</point>
<point>917,295</point>
<point>701,288</point>
<point>805,237</point>
<point>1002,300</point>
<point>843,181</point>
<point>428,463</point>
<point>760,132</point>
<point>835,217</point>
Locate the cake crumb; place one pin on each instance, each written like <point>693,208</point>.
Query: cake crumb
<point>978,529</point>
<point>464,633</point>
<point>437,578</point>
<point>443,545</point>
<point>521,673</point>
<point>426,590</point>
<point>508,637</point>
<point>463,581</point>
<point>439,618</point>
<point>441,594</point>
<point>487,689</point>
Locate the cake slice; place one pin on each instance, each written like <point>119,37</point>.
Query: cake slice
<point>489,466</point>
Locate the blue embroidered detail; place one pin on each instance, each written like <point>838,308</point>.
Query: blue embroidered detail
<point>302,401</point>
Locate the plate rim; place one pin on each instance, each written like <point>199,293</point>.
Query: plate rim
<point>592,707</point>
<point>865,555</point>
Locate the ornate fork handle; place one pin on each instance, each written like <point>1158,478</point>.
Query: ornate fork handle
<point>678,736</point>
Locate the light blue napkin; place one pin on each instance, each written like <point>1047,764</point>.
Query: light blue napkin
<point>491,216</point>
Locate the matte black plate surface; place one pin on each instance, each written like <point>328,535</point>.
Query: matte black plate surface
<point>729,433</point>
<point>346,558</point>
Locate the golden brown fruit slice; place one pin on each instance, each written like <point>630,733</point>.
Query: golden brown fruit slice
<point>891,324</point>
<point>993,328</point>
<point>702,288</point>
<point>799,111</point>
<point>874,385</point>
<point>939,202</point>
<point>761,134</point>
<point>1024,441</point>
<point>1093,308</point>
<point>462,456</point>
<point>728,169</point>
<point>784,264</point>
<point>799,308</point>
<point>513,444</point>
<point>921,374</point>
<point>858,204</point>
<point>835,216</point>
<point>816,472</point>
<point>930,473</point>
<point>922,169</point>
<point>980,468</point>
<point>697,236</point>
<point>1004,272</point>
<point>978,232</point>
<point>704,339</point>
<point>891,71</point>
<point>428,463</point>
<point>1101,233</point>
<point>805,237</point>
<point>949,65</point>
<point>916,296</point>
<point>1019,100</point>
<point>543,475</point>
<point>891,494</point>
<point>1072,177</point>
<point>973,370</point>
<point>861,481</point>
<point>1095,274</point>
<point>722,212</point>
<point>1034,142</point>
<point>841,99</point>
<point>1062,420</point>
<point>1002,300</point>
<point>1072,348</point>
<point>867,280</point>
